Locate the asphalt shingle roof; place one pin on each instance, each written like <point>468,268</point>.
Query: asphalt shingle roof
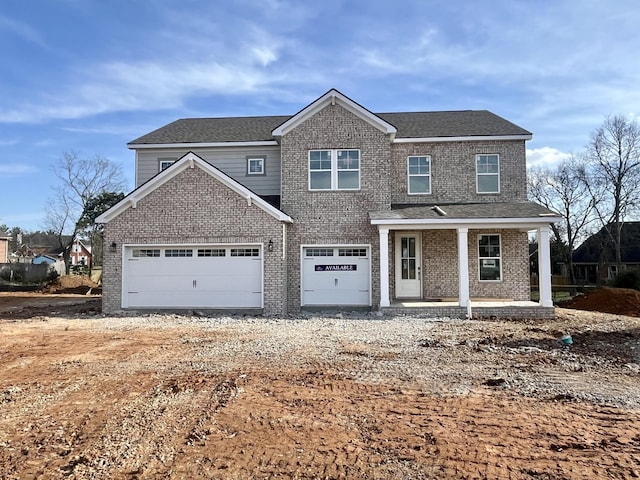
<point>463,211</point>
<point>599,246</point>
<point>255,129</point>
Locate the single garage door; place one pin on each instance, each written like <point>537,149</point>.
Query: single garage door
<point>336,276</point>
<point>193,277</point>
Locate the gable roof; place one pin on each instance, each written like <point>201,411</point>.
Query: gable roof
<point>333,97</point>
<point>190,160</point>
<point>600,243</point>
<point>264,130</point>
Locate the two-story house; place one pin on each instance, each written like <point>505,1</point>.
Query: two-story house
<point>333,207</point>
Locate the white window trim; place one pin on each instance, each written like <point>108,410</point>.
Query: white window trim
<point>478,174</point>
<point>263,161</point>
<point>162,161</point>
<point>334,170</point>
<point>409,175</point>
<point>490,258</point>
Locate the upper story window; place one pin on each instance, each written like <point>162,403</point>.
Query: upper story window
<point>164,164</point>
<point>419,174</point>
<point>255,166</point>
<point>334,169</point>
<point>487,174</point>
<point>489,265</point>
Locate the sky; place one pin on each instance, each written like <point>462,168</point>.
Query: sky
<point>88,76</point>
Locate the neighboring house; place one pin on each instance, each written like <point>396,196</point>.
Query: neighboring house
<point>595,260</point>
<point>54,262</point>
<point>333,207</point>
<point>4,249</point>
<point>80,254</point>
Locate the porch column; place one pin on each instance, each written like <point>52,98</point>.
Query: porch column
<point>544,266</point>
<point>463,269</point>
<point>384,266</point>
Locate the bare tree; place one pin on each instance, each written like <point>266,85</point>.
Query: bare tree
<point>613,175</point>
<point>563,190</point>
<point>80,180</point>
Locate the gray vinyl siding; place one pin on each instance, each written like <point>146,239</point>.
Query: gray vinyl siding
<point>232,161</point>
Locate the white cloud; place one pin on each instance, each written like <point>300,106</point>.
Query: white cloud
<point>14,169</point>
<point>23,30</point>
<point>265,54</point>
<point>545,157</point>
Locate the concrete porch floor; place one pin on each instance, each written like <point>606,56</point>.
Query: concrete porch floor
<point>475,302</point>
<point>480,308</point>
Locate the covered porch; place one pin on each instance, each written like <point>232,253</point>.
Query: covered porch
<point>449,260</point>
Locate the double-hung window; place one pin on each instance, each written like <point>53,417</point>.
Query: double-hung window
<point>489,265</point>
<point>487,173</point>
<point>334,169</point>
<point>419,173</point>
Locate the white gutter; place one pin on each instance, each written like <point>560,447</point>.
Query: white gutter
<point>474,138</point>
<point>139,146</point>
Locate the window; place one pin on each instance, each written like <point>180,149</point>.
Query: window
<point>419,172</point>
<point>490,268</point>
<point>164,164</point>
<point>487,174</point>
<point>178,252</point>
<point>211,252</point>
<point>255,165</point>
<point>352,252</point>
<point>245,252</point>
<point>334,169</point>
<point>145,252</point>
<point>318,252</point>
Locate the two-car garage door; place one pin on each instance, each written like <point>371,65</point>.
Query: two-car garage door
<point>216,276</point>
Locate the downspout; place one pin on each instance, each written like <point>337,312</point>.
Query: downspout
<point>284,240</point>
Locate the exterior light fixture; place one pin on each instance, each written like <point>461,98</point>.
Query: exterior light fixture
<point>270,246</point>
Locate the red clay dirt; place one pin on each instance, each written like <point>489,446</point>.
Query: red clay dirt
<point>88,397</point>
<point>621,301</point>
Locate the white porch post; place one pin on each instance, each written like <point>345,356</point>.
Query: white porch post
<point>384,266</point>
<point>544,266</point>
<point>463,269</point>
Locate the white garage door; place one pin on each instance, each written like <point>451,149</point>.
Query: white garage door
<point>193,277</point>
<point>336,276</point>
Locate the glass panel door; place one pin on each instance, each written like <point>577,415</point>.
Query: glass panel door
<point>407,260</point>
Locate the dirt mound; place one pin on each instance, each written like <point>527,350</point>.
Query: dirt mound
<point>77,284</point>
<point>620,301</point>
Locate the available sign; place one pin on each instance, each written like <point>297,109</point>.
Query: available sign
<point>336,268</point>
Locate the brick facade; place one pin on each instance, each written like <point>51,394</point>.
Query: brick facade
<point>453,171</point>
<point>194,208</point>
<point>439,265</point>
<point>335,217</point>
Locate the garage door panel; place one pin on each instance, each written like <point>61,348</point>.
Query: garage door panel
<point>336,280</point>
<point>193,281</point>
<point>163,299</point>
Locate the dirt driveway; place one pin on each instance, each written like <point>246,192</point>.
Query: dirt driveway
<point>87,396</point>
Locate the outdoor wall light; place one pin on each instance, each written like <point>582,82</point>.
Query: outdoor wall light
<point>270,246</point>
<point>113,246</point>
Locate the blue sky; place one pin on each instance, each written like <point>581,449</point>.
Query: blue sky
<point>90,75</point>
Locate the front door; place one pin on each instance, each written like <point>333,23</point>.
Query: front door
<point>408,262</point>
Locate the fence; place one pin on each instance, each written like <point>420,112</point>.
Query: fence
<point>24,273</point>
